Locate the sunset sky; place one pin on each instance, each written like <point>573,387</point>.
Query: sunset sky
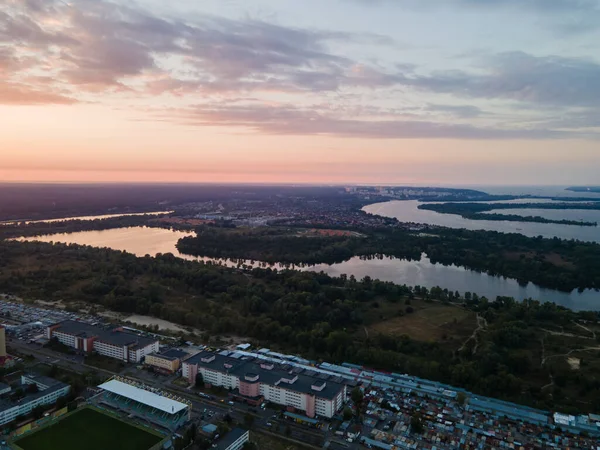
<point>314,91</point>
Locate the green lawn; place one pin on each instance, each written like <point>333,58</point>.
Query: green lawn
<point>91,430</point>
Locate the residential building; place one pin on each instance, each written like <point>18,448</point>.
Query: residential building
<point>49,390</point>
<point>254,380</point>
<point>169,361</point>
<point>112,342</point>
<point>234,440</point>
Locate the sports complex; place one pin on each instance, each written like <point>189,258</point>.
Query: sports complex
<point>123,415</point>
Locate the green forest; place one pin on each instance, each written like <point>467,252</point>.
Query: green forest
<point>507,349</point>
<point>551,263</point>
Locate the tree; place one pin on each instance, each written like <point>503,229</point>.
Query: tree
<point>357,395</point>
<point>288,431</point>
<point>248,420</point>
<point>250,446</point>
<point>38,411</point>
<point>347,413</point>
<point>60,403</point>
<point>416,424</point>
<point>461,398</point>
<point>53,371</point>
<point>199,380</point>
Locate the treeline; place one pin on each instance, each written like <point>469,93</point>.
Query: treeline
<point>24,229</point>
<point>528,219</point>
<point>477,211</point>
<point>272,245</point>
<point>551,263</point>
<point>317,316</point>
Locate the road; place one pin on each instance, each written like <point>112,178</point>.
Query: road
<point>204,411</point>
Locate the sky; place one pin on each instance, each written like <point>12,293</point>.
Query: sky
<point>313,91</point>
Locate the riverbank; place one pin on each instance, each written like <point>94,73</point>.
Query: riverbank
<point>325,318</point>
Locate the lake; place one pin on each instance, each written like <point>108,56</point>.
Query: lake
<point>407,211</point>
<point>142,241</point>
<point>104,216</point>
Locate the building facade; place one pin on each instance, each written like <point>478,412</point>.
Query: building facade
<point>256,381</point>
<point>49,390</point>
<point>114,343</point>
<point>169,361</point>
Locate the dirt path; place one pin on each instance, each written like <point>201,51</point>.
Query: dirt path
<point>592,332</point>
<point>549,384</point>
<point>564,333</point>
<point>481,325</point>
<point>585,349</point>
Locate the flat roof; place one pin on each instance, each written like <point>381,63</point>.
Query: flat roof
<point>142,396</point>
<point>252,367</point>
<point>173,354</point>
<point>226,441</point>
<point>113,336</point>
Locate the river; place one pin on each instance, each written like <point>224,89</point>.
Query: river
<point>408,211</point>
<point>150,241</point>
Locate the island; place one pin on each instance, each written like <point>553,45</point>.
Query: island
<point>584,189</point>
<point>477,211</point>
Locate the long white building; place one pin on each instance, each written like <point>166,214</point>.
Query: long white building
<point>115,342</point>
<point>49,390</point>
<point>257,380</point>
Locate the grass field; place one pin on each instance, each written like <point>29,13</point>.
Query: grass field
<point>429,323</point>
<point>91,430</point>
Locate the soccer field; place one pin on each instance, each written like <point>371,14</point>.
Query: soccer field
<point>91,430</point>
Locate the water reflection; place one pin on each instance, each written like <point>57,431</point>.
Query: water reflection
<point>407,211</point>
<point>150,241</point>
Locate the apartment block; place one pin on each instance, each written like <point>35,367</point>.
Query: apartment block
<point>169,361</point>
<point>255,380</point>
<point>49,390</point>
<point>113,342</point>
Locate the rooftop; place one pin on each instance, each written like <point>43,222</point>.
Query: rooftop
<point>173,354</point>
<point>209,428</point>
<point>247,369</point>
<point>54,385</point>
<point>142,396</point>
<point>230,438</point>
<point>113,336</point>
<point>47,381</point>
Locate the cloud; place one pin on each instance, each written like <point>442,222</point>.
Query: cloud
<point>289,120</point>
<point>54,52</point>
<point>550,80</point>
<point>98,45</point>
<point>461,111</point>
<point>16,94</point>
<point>562,16</point>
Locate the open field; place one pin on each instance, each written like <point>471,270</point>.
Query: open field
<point>431,323</point>
<point>91,430</point>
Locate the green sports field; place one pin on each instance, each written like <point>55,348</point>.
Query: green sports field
<point>91,430</point>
